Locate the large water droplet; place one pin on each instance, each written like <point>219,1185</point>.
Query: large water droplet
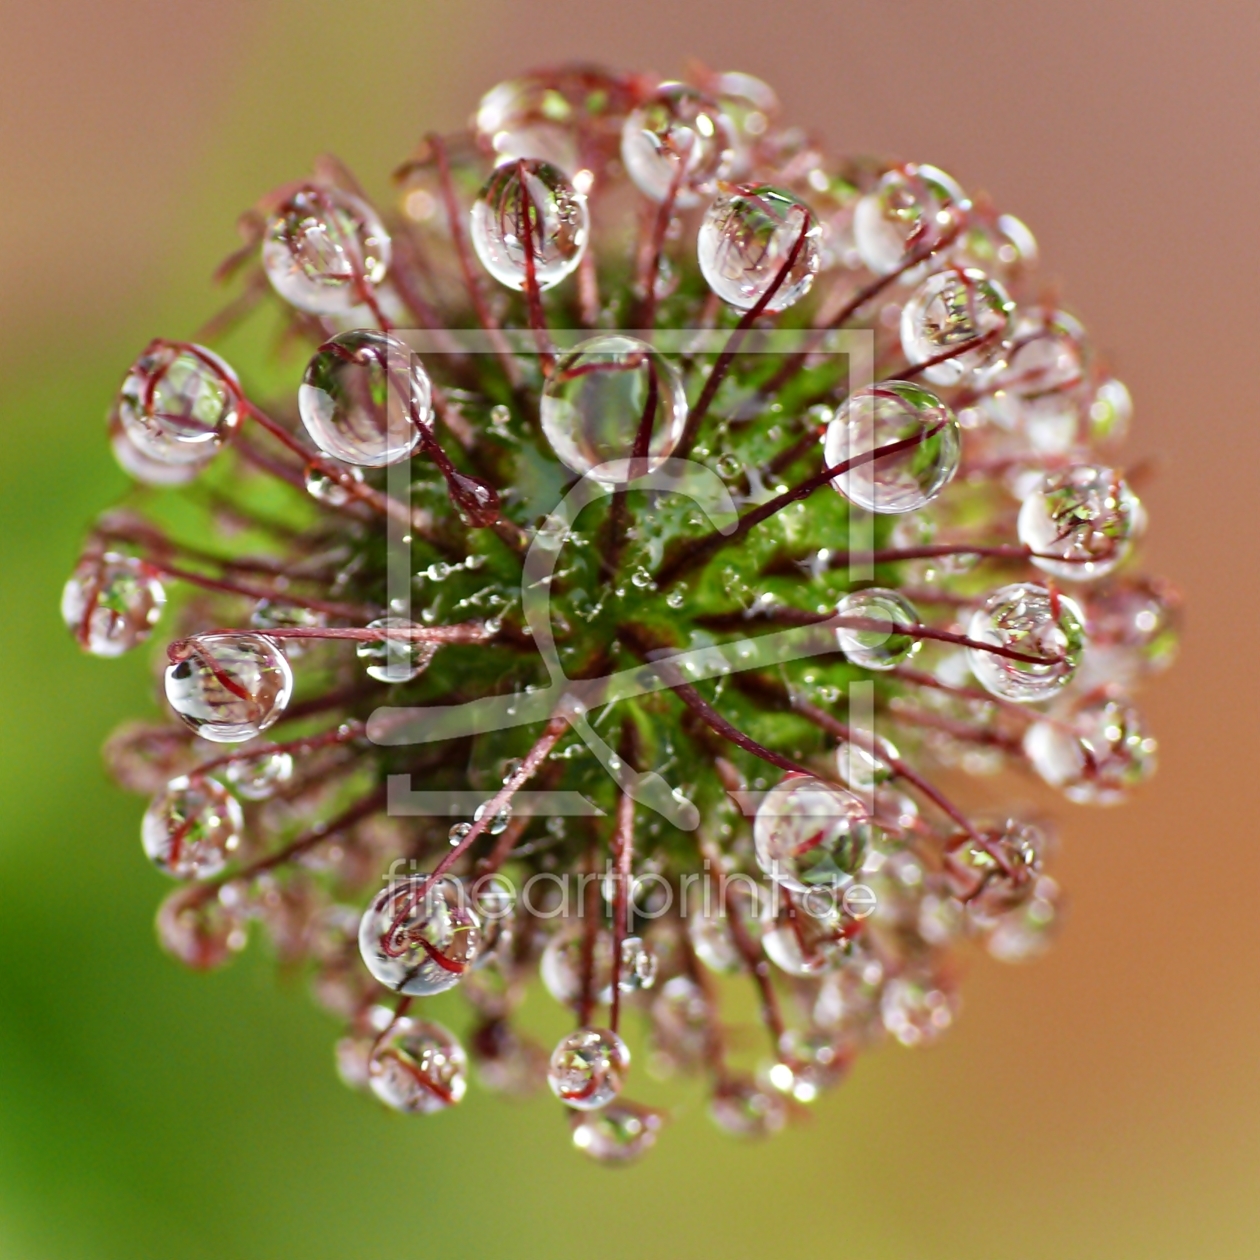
<point>596,401</point>
<point>229,687</point>
<point>395,658</point>
<point>588,1068</point>
<point>1032,620</point>
<point>677,126</point>
<point>746,240</point>
<point>418,1067</point>
<point>879,647</point>
<point>618,1133</point>
<point>191,828</point>
<point>111,603</point>
<point>179,403</point>
<point>528,208</point>
<point>419,937</point>
<point>563,966</point>
<point>323,250</point>
<point>258,777</point>
<point>884,415</point>
<point>808,834</point>
<point>995,873</point>
<point>363,397</point>
<point>1080,522</point>
<point>949,310</point>
<point>911,210</point>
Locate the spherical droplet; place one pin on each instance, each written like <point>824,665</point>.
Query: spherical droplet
<point>618,1133</point>
<point>747,240</point>
<point>918,1005</point>
<point>418,1067</point>
<point>814,1060</point>
<point>1095,754</point>
<point>996,872</point>
<point>997,244</point>
<point>179,403</point>
<point>950,310</point>
<point>111,603</point>
<point>229,687</point>
<point>1133,625</point>
<point>596,402</point>
<point>879,646</point>
<point>199,930</point>
<point>910,211</point>
<point>1026,933</point>
<point>324,249</point>
<point>563,966</point>
<point>529,210</point>
<point>920,434</point>
<point>1110,412</point>
<point>639,965</point>
<point>742,1108</point>
<point>396,658</point>
<point>808,834</point>
<point>364,397</point>
<point>865,762</point>
<point>419,937</point>
<point>325,488</point>
<point>257,777</point>
<point>588,1068</point>
<point>799,943</point>
<point>1080,522</point>
<point>191,828</point>
<point>1035,622</point>
<point>677,133</point>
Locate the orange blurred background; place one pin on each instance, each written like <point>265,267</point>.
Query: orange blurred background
<point>1104,1102</point>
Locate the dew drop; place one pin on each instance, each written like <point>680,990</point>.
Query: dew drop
<point>111,603</point>
<point>191,828</point>
<point>229,687</point>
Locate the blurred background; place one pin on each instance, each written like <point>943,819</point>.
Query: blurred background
<point>1104,1102</point>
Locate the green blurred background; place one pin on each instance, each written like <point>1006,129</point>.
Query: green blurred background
<point>1105,1102</point>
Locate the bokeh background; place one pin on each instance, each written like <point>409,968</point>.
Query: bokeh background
<point>1102,1103</point>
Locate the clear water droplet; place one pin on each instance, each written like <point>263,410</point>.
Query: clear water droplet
<point>327,489</point>
<point>1030,619</point>
<point>111,603</point>
<point>529,207</point>
<point>676,126</point>
<point>229,687</point>
<point>887,415</point>
<point>562,966</point>
<point>808,834</point>
<point>1095,754</point>
<point>418,1067</point>
<point>864,762</point>
<point>741,1107</point>
<point>918,1006</point>
<point>191,828</point>
<point>911,210</point>
<point>639,965</point>
<point>588,1068</point>
<point>395,658</point>
<point>323,249</point>
<point>179,404</point>
<point>199,931</point>
<point>879,647</point>
<point>618,1133</point>
<point>1025,934</point>
<point>949,310</point>
<point>745,241</point>
<point>1080,522</point>
<point>258,777</point>
<point>498,823</point>
<point>997,872</point>
<point>595,402</point>
<point>419,937</point>
<point>363,397</point>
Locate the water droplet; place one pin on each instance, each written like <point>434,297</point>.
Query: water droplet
<point>418,1067</point>
<point>1026,933</point>
<point>500,416</point>
<point>363,397</point>
<point>745,241</point>
<point>949,310</point>
<point>395,658</point>
<point>809,834</point>
<point>680,1023</point>
<point>328,489</point>
<point>458,832</point>
<point>594,404</point>
<point>588,1068</point>
<point>229,687</point>
<point>619,1133</point>
<point>257,778</point>
<point>918,1006</point>
<point>910,211</point>
<point>199,931</point>
<point>1026,618</point>
<point>324,249</point>
<point>191,827</point>
<point>419,937</point>
<point>528,200</point>
<point>863,762</point>
<point>1133,626</point>
<point>800,944</point>
<point>639,965</point>
<point>879,647</point>
<point>886,414</point>
<point>676,598</point>
<point>997,244</point>
<point>562,966</point>
<point>676,125</point>
<point>498,823</point>
<point>1095,754</point>
<point>179,403</point>
<point>1110,412</point>
<point>997,872</point>
<point>742,1108</point>
<point>270,614</point>
<point>641,578</point>
<point>111,603</point>
<point>1080,521</point>
<point>813,1060</point>
<point>143,467</point>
